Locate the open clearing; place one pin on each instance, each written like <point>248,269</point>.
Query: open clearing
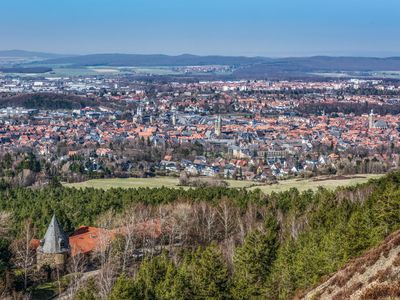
<point>105,70</point>
<point>171,182</point>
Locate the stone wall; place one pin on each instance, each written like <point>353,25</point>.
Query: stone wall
<point>57,260</point>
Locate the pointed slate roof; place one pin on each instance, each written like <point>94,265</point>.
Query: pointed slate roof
<point>55,240</point>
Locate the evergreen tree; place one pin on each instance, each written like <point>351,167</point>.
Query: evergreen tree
<point>210,274</point>
<point>253,260</point>
<point>151,273</point>
<point>282,280</point>
<point>178,281</point>
<point>87,292</point>
<point>124,289</point>
<point>165,289</point>
<point>387,208</point>
<point>358,229</point>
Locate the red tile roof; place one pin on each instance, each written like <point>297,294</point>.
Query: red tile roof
<point>87,239</point>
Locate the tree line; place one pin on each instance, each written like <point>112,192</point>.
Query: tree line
<point>217,243</point>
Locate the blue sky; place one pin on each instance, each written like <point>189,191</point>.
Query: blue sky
<point>226,27</point>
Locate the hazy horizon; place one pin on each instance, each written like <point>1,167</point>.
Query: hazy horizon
<point>394,55</point>
<point>230,28</point>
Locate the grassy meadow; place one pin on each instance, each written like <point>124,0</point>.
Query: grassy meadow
<point>282,185</point>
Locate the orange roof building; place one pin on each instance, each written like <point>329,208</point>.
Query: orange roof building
<point>87,239</point>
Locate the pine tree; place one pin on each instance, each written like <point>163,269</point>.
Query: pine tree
<point>151,273</point>
<point>177,284</point>
<point>164,289</point>
<point>252,262</point>
<point>358,233</point>
<point>87,292</point>
<point>282,280</point>
<point>124,289</point>
<point>210,274</point>
<point>387,208</point>
<point>182,287</point>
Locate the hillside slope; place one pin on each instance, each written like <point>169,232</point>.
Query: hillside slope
<point>374,275</point>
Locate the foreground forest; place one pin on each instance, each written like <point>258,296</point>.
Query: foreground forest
<point>216,243</point>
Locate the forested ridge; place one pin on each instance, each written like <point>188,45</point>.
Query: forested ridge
<point>233,244</point>
<point>49,101</point>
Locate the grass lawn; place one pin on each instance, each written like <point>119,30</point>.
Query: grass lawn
<point>314,183</point>
<point>171,182</point>
<point>128,183</point>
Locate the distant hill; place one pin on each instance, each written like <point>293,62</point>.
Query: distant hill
<point>374,275</point>
<point>303,65</point>
<point>27,54</point>
<point>154,60</point>
<point>17,61</point>
<point>246,67</point>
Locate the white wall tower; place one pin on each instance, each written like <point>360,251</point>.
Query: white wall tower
<point>218,125</point>
<point>371,120</point>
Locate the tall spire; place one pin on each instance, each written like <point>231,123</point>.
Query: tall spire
<point>55,240</point>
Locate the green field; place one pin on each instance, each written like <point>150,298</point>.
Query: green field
<point>301,184</point>
<point>366,74</point>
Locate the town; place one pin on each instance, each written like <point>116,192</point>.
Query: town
<point>206,150</point>
<point>78,128</point>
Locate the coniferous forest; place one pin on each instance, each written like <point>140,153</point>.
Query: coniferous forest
<point>216,243</point>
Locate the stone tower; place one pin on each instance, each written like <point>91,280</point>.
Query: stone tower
<point>139,111</point>
<point>218,125</point>
<point>54,247</point>
<point>371,120</point>
<point>173,118</point>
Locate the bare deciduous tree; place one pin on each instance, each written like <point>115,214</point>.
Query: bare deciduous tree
<point>23,254</point>
<point>104,254</point>
<point>205,223</point>
<point>227,213</point>
<point>76,266</point>
<point>129,227</point>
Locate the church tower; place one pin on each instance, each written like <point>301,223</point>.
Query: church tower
<point>173,118</point>
<point>139,111</point>
<point>218,125</point>
<point>371,120</point>
<point>54,247</point>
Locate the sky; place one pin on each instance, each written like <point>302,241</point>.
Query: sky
<point>274,28</point>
